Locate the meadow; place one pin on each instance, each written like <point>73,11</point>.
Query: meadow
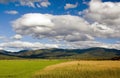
<point>23,68</point>
<point>59,69</point>
<point>81,69</point>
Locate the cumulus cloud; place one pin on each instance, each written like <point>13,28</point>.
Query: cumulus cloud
<point>1,48</point>
<point>78,37</point>
<point>60,27</point>
<point>20,45</point>
<point>17,37</point>
<point>89,44</point>
<point>26,45</point>
<point>29,3</point>
<point>107,13</point>
<point>2,37</point>
<point>101,19</point>
<point>69,6</point>
<point>105,18</point>
<point>104,31</point>
<point>12,12</point>
<point>80,13</point>
<point>45,4</point>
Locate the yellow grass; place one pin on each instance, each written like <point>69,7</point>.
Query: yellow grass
<point>81,69</point>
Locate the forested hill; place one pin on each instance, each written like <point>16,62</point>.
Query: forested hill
<point>55,53</point>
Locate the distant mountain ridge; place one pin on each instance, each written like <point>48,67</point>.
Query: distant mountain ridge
<point>56,53</point>
<point>6,55</point>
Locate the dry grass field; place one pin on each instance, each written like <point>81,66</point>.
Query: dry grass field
<point>81,69</point>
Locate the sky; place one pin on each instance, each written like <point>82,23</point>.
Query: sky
<point>73,24</point>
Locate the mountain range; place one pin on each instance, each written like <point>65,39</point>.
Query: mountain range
<point>56,53</point>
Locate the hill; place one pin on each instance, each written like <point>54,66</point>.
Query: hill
<point>5,55</point>
<point>55,53</point>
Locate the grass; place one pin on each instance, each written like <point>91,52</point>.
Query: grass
<point>81,69</point>
<point>23,68</point>
<point>59,69</point>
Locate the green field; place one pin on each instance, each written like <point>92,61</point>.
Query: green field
<point>59,69</point>
<point>23,68</point>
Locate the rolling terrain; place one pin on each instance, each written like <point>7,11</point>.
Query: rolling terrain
<point>54,53</point>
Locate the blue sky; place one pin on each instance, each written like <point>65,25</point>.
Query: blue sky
<point>104,33</point>
<point>57,8</point>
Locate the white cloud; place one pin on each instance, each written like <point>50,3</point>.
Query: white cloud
<point>90,44</point>
<point>107,16</point>
<point>1,48</point>
<point>78,37</point>
<point>103,20</point>
<point>21,45</point>
<point>69,6</point>
<point>12,12</point>
<point>107,13</point>
<point>73,30</point>
<point>29,3</point>
<point>104,31</point>
<point>45,4</point>
<point>17,37</point>
<point>60,27</point>
<point>26,45</point>
<point>80,13</point>
<point>2,37</point>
